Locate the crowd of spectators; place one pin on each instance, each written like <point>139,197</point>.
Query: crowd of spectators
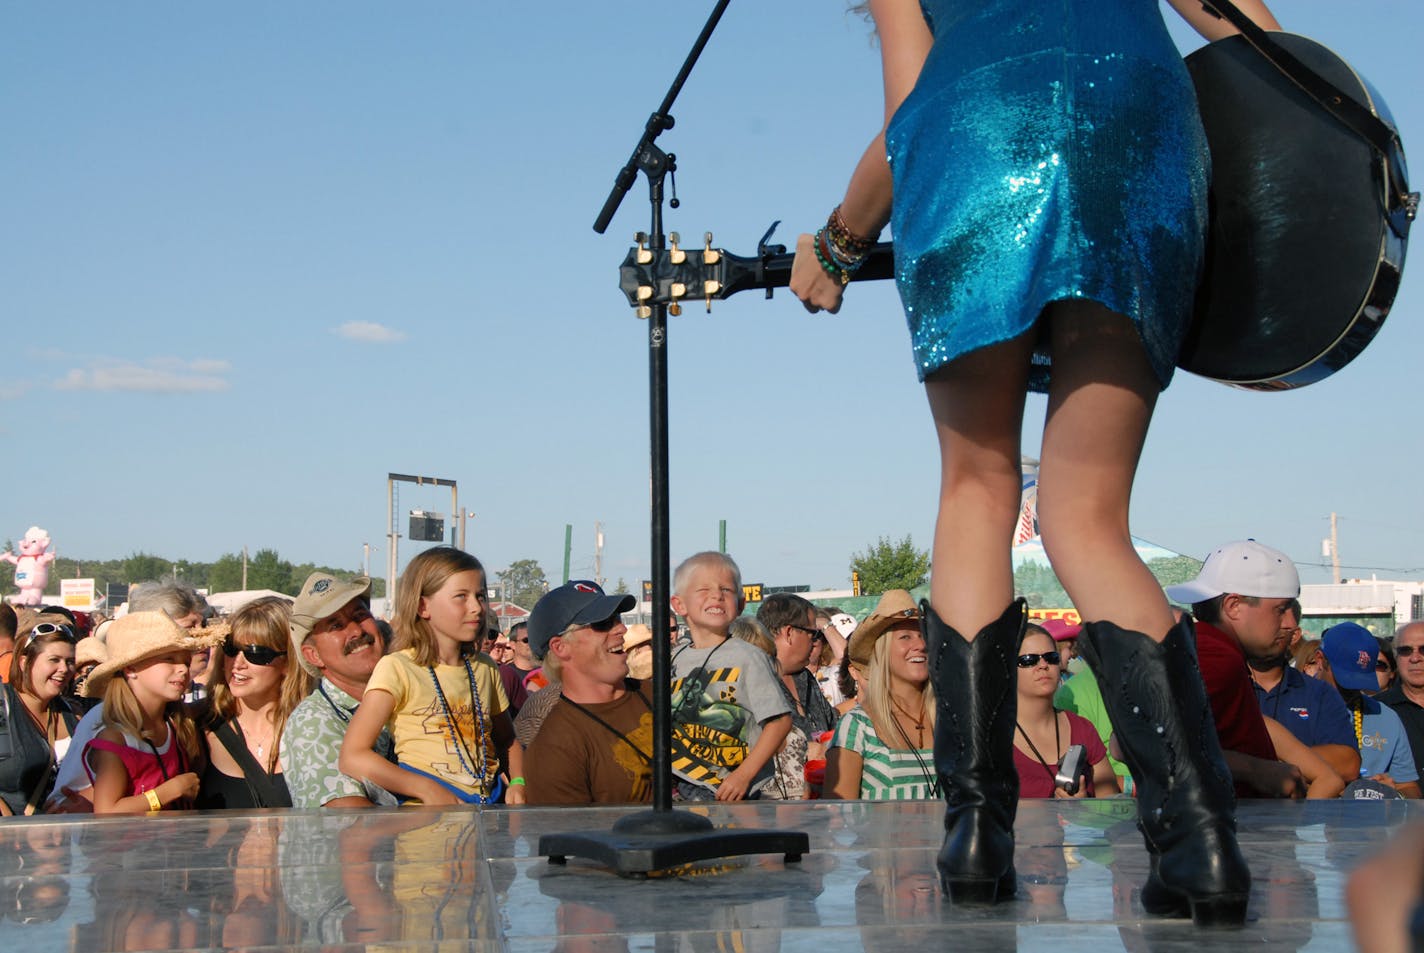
<point>171,707</point>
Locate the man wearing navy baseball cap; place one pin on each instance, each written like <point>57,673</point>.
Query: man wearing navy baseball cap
<point>596,744</point>
<point>1238,599</point>
<point>1350,652</point>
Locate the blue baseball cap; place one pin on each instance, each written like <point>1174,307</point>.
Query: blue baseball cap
<point>579,602</point>
<point>1352,651</point>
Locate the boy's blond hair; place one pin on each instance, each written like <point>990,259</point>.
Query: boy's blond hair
<point>696,561</point>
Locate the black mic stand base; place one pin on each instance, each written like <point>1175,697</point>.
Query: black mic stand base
<point>659,840</point>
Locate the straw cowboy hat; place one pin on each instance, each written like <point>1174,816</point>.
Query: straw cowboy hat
<point>895,605</point>
<point>143,635</point>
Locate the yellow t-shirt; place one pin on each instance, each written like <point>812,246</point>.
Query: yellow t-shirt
<point>445,743</point>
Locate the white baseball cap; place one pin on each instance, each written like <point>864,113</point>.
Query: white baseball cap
<point>1246,568</point>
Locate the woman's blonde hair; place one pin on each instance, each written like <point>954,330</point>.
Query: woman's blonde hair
<point>423,578</point>
<point>877,697</point>
<point>266,622</point>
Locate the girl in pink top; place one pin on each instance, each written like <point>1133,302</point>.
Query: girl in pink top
<point>143,758</point>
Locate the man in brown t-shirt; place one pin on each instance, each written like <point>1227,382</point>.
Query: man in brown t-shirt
<point>596,744</point>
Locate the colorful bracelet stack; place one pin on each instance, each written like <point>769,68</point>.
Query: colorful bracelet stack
<point>839,250</point>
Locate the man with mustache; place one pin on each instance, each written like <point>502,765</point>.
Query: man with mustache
<point>336,640</point>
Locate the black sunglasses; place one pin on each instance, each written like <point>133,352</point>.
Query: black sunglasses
<point>816,635</point>
<point>256,654</point>
<point>1030,659</point>
<point>605,626</point>
<point>1404,651</point>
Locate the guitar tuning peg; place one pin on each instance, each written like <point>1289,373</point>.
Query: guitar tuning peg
<point>674,309</point>
<point>644,256</point>
<point>709,291</point>
<point>645,292</point>
<point>676,255</point>
<point>644,312</point>
<point>710,255</point>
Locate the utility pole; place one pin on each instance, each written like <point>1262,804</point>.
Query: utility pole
<point>568,547</point>
<point>244,567</point>
<point>598,553</point>
<point>1334,548</point>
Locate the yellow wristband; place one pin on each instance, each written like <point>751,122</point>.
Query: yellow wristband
<point>516,781</point>
<point>154,804</point>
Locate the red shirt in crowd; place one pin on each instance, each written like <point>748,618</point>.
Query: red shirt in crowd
<point>1239,724</point>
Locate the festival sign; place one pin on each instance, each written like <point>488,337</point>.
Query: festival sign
<point>77,594</point>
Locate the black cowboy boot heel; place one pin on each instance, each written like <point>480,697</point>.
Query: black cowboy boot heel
<point>1185,801</point>
<point>976,695</point>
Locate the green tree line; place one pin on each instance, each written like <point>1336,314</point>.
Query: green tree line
<point>266,569</point>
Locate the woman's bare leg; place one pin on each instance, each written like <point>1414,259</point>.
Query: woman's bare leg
<point>1100,402</point>
<point>977,403</point>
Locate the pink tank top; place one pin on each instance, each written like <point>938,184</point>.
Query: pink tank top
<point>147,766</point>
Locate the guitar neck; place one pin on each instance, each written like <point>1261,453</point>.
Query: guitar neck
<point>743,274</point>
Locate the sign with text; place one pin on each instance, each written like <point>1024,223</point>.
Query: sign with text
<point>751,592</point>
<point>77,594</point>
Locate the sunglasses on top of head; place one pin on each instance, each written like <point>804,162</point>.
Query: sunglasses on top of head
<point>1030,659</point>
<point>52,628</point>
<point>256,654</point>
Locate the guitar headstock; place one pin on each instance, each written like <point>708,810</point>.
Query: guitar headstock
<point>676,275</point>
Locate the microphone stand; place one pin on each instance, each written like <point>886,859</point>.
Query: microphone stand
<point>662,838</point>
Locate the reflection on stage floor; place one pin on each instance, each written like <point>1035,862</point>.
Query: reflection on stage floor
<point>472,880</point>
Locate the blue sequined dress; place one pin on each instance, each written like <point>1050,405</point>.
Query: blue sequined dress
<point>1050,150</point>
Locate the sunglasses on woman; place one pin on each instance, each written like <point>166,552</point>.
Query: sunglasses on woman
<point>1030,659</point>
<point>256,654</point>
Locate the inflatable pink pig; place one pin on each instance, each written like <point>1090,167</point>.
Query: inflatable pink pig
<point>31,567</point>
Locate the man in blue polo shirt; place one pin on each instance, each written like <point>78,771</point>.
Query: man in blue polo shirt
<point>1387,758</point>
<point>1308,708</point>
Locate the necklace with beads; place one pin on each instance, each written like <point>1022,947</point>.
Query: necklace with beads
<point>462,747</point>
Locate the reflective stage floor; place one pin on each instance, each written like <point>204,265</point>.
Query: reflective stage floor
<point>465,880</point>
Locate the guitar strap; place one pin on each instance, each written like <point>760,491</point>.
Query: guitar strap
<point>1344,107</point>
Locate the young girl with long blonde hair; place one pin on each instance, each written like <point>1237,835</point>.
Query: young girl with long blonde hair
<point>145,755</point>
<point>442,699</point>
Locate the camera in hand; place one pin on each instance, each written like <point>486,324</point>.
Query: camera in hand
<point>1073,769</point>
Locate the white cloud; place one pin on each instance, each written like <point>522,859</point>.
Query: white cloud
<point>368,331</point>
<point>165,375</point>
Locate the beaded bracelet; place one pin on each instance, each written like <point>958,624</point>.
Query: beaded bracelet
<point>845,249</point>
<point>844,237</point>
<point>828,263</point>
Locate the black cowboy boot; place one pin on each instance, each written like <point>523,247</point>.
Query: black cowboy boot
<point>976,690</point>
<point>1186,804</point>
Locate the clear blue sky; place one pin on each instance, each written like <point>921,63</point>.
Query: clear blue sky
<point>256,256</point>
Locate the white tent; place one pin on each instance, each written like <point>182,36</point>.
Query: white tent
<point>229,602</point>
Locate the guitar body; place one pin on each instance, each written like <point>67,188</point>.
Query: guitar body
<point>1305,253</point>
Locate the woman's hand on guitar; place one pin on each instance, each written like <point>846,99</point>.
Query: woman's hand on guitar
<point>817,290</point>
